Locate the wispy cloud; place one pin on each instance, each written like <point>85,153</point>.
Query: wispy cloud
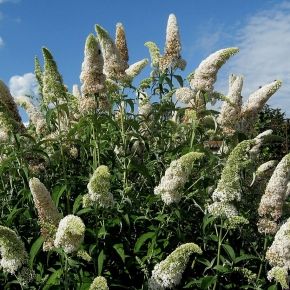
<point>264,43</point>
<point>23,85</point>
<point>10,1</point>
<point>1,42</point>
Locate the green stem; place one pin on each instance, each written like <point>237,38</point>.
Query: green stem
<point>123,136</point>
<point>63,159</point>
<point>263,259</point>
<point>220,240</point>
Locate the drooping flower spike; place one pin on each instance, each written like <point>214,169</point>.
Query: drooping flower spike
<point>168,273</point>
<point>13,253</point>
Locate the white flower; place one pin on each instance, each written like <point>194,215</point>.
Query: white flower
<point>231,110</point>
<point>256,103</point>
<point>272,201</point>
<point>145,107</point>
<point>70,233</point>
<point>205,75</point>
<point>168,273</point>
<point>13,253</point>
<point>135,68</point>
<point>121,43</point>
<point>185,95</point>
<point>76,91</point>
<point>172,183</point>
<point>113,65</point>
<point>99,283</point>
<point>48,214</point>
<point>172,57</point>
<point>278,255</point>
<point>99,187</point>
<point>34,113</point>
<point>92,76</point>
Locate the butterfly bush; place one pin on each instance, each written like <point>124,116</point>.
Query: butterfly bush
<point>255,103</point>
<point>70,233</point>
<point>121,44</point>
<point>68,129</point>
<point>99,283</point>
<point>13,253</point>
<point>272,201</point>
<point>92,77</point>
<point>278,256</point>
<point>168,273</point>
<point>229,190</point>
<point>48,214</point>
<point>114,67</point>
<point>34,113</point>
<point>99,188</point>
<point>53,90</point>
<point>172,183</point>
<point>205,75</point>
<point>231,109</point>
<point>8,102</point>
<point>172,51</point>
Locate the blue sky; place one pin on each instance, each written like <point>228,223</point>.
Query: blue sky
<point>260,28</point>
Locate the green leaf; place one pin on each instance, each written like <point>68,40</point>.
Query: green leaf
<point>77,203</point>
<point>142,239</point>
<point>245,257</point>
<point>57,193</point>
<point>102,232</point>
<point>222,269</point>
<point>120,250</point>
<point>36,246</point>
<point>53,279</point>
<point>101,259</point>
<point>206,221</point>
<point>230,251</point>
<point>207,281</point>
<point>179,79</point>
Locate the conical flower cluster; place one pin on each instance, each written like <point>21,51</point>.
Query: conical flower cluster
<point>271,205</point>
<point>7,100</point>
<point>230,111</point>
<point>70,233</point>
<point>10,120</point>
<point>278,255</point>
<point>205,75</point>
<point>154,53</point>
<point>229,188</point>
<point>168,273</point>
<point>38,74</point>
<point>53,89</point>
<point>172,183</point>
<point>48,214</point>
<point>114,67</point>
<point>99,188</point>
<point>34,113</point>
<point>121,44</point>
<point>255,104</point>
<point>92,76</point>
<point>76,91</point>
<point>99,283</point>
<point>185,95</point>
<point>172,52</point>
<point>145,107</point>
<point>135,68</point>
<point>13,253</point>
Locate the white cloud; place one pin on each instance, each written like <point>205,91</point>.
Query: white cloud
<point>264,55</point>
<point>23,85</point>
<point>11,1</point>
<point>1,42</point>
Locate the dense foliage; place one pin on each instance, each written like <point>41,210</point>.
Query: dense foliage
<point>141,186</point>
